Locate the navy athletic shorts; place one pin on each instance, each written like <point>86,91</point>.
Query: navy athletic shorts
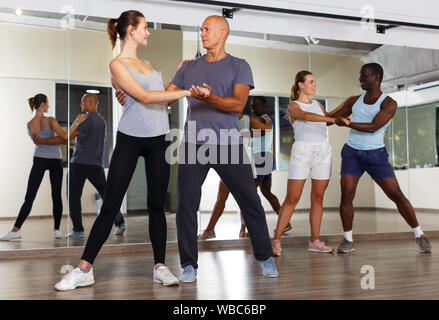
<point>375,162</point>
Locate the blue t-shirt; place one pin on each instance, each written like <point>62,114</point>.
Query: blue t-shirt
<point>90,141</point>
<point>222,76</point>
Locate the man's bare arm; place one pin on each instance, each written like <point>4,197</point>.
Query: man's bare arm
<point>236,103</point>
<point>387,112</point>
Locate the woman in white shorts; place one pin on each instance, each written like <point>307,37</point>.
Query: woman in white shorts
<point>310,157</point>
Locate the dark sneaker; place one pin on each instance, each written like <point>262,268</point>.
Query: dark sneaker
<point>346,246</point>
<point>287,228</point>
<point>423,244</point>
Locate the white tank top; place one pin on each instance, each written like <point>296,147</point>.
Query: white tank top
<point>308,131</point>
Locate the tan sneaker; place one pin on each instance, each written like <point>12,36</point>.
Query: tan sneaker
<point>319,246</point>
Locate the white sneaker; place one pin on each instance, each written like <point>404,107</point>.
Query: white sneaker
<point>11,236</point>
<point>57,234</point>
<point>163,275</point>
<point>75,278</point>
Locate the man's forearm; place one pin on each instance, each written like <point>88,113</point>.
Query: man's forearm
<point>230,104</point>
<point>364,127</point>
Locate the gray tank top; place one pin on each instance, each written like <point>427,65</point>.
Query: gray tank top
<point>46,150</point>
<point>145,120</point>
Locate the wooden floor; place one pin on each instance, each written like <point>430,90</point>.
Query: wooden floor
<point>38,233</point>
<point>401,272</point>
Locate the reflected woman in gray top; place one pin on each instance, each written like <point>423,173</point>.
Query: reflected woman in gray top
<point>141,133</point>
<point>47,135</point>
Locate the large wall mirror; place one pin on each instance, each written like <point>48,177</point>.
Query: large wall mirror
<point>35,60</point>
<point>44,54</point>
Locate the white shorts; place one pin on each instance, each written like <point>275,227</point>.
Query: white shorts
<point>307,157</point>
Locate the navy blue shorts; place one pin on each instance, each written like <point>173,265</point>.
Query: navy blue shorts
<point>264,178</point>
<point>375,162</point>
<point>264,166</point>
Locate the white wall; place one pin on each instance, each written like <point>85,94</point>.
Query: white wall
<point>418,184</point>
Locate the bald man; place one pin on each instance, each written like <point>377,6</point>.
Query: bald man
<point>212,125</point>
<point>86,163</point>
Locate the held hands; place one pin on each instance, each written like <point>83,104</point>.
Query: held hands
<point>121,96</point>
<point>80,118</point>
<point>36,139</point>
<point>342,122</point>
<point>201,93</point>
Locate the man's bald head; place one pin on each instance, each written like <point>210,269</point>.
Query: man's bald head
<point>91,98</point>
<point>89,102</point>
<point>221,22</point>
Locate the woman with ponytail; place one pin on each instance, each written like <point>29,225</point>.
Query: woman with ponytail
<point>47,136</point>
<point>141,133</point>
<point>310,156</point>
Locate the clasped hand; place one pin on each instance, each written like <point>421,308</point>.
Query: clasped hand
<point>201,93</point>
<point>342,122</point>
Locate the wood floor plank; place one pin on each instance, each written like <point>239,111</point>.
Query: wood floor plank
<point>401,272</point>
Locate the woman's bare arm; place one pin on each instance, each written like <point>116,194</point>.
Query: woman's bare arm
<point>123,78</point>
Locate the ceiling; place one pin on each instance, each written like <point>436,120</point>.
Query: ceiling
<point>99,23</point>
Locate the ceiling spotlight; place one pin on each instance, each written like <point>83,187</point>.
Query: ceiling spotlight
<point>18,12</point>
<point>315,41</point>
<point>93,91</point>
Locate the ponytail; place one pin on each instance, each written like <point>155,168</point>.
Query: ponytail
<point>112,31</point>
<point>120,25</point>
<point>294,93</point>
<point>35,102</point>
<point>31,102</point>
<point>295,90</point>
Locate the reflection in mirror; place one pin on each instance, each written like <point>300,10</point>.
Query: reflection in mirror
<point>35,53</point>
<point>416,125</point>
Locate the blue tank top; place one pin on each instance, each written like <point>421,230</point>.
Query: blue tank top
<point>48,151</point>
<point>364,113</point>
<point>263,143</point>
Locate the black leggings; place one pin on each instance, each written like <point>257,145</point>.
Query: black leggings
<point>123,163</point>
<point>78,174</point>
<point>35,177</point>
